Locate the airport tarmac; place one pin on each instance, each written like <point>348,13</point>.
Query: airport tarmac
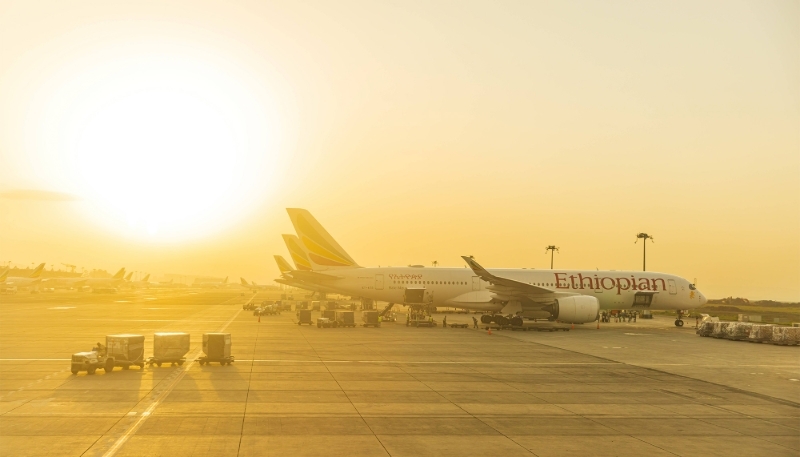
<point>626,389</point>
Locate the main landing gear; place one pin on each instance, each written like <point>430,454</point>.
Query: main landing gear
<point>502,321</point>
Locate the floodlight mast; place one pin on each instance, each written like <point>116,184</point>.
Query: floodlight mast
<point>552,250</point>
<point>644,237</point>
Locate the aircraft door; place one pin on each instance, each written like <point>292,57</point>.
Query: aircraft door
<point>378,282</point>
<point>673,289</point>
<point>476,283</point>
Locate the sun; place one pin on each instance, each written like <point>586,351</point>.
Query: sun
<point>165,146</point>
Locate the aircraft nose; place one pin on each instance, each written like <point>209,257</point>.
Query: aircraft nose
<point>703,299</point>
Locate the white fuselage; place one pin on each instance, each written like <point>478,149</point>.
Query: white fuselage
<point>460,287</point>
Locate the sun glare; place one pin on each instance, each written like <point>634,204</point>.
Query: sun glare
<point>161,146</point>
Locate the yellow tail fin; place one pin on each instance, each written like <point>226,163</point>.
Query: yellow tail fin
<point>324,253</point>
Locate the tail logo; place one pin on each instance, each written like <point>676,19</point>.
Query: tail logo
<point>320,251</point>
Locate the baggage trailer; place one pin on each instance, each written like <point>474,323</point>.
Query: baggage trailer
<point>125,350</point>
<point>329,314</point>
<point>304,317</point>
<point>345,318</point>
<point>324,322</point>
<point>217,347</point>
<point>370,319</point>
<point>169,347</point>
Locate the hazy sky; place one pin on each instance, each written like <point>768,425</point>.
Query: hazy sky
<point>170,136</point>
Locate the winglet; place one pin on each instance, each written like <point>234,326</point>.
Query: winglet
<point>476,267</point>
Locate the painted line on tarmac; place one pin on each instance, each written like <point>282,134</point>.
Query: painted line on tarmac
<point>146,320</point>
<point>33,360</point>
<point>429,363</point>
<point>180,373</point>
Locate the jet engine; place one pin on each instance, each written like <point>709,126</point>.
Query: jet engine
<point>578,309</point>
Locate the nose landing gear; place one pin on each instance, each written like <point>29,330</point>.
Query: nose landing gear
<point>679,320</point>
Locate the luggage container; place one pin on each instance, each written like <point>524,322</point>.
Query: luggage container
<point>705,328</point>
<point>720,329</point>
<point>370,319</point>
<point>329,314</point>
<point>217,347</point>
<point>346,318</point>
<point>304,317</point>
<point>760,333</point>
<point>738,331</point>
<point>324,322</point>
<point>301,305</point>
<point>331,305</point>
<point>785,336</point>
<point>315,306</point>
<point>125,350</point>
<point>169,347</point>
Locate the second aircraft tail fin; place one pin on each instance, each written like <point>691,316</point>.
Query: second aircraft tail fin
<point>323,251</point>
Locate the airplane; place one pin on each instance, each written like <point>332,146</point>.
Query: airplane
<point>24,281</point>
<point>211,284</point>
<point>297,252</point>
<point>143,283</point>
<point>102,283</point>
<point>286,279</point>
<point>252,285</point>
<point>571,296</point>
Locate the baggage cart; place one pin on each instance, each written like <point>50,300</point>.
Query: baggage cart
<point>370,319</point>
<point>324,322</point>
<point>329,314</point>
<point>304,317</point>
<point>217,347</point>
<point>739,331</point>
<point>760,333</point>
<point>125,350</point>
<point>720,329</point>
<point>345,318</point>
<point>785,336</point>
<point>169,347</point>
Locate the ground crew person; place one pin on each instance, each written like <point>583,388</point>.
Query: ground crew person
<point>444,322</point>
<point>474,322</point>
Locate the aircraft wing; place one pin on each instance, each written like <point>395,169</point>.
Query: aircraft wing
<point>506,286</point>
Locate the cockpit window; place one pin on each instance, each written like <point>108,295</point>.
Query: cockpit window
<point>692,287</point>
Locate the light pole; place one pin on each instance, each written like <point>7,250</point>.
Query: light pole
<point>552,250</point>
<point>644,237</point>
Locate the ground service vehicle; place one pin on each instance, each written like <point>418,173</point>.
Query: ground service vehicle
<point>169,348</point>
<point>370,319</point>
<point>90,361</point>
<point>304,317</point>
<point>345,318</point>
<point>324,322</point>
<point>217,347</point>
